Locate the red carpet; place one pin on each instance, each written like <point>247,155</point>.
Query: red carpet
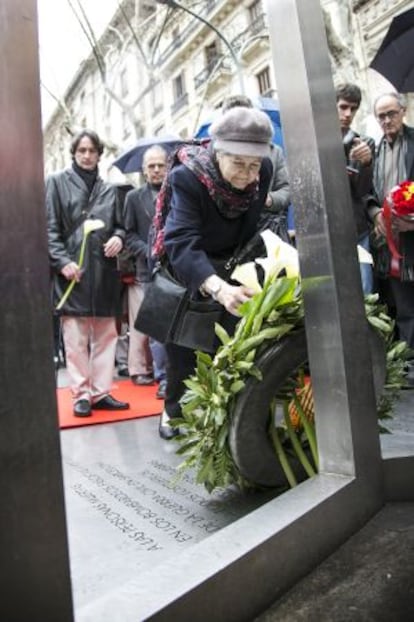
<point>142,401</point>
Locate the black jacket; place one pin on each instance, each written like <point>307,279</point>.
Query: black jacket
<point>361,186</point>
<point>67,199</point>
<point>406,240</point>
<point>196,233</point>
<point>138,214</point>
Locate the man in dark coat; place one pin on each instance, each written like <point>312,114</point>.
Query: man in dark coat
<point>395,164</point>
<point>88,315</point>
<point>144,354</point>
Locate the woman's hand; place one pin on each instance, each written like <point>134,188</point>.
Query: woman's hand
<point>232,296</point>
<point>72,272</point>
<point>113,246</point>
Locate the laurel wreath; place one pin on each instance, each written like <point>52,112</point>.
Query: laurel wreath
<point>217,380</point>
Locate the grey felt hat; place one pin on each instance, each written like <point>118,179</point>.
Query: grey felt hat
<point>243,131</point>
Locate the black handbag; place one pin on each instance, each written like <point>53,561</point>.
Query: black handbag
<point>168,314</point>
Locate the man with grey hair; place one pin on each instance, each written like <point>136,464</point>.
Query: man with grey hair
<point>395,164</point>
<point>146,358</point>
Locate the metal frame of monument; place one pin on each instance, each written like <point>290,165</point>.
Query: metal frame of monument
<point>240,570</point>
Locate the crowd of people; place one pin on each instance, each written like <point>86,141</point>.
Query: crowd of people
<point>220,194</point>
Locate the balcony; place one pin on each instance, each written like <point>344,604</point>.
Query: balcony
<point>186,33</point>
<point>216,69</point>
<point>179,103</point>
<point>256,28</point>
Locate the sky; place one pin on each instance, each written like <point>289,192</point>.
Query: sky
<point>63,45</point>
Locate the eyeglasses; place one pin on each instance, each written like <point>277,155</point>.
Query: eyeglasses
<point>156,165</point>
<point>391,114</point>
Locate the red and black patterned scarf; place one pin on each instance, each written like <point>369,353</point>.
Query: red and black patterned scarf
<point>230,202</point>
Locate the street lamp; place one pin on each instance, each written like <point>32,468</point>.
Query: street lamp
<point>175,5</point>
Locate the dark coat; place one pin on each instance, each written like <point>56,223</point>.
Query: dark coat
<point>406,239</point>
<point>408,146</point>
<point>98,293</point>
<point>274,217</point>
<point>361,187</point>
<point>138,214</point>
<point>195,231</point>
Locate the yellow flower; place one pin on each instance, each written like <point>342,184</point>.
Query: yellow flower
<point>409,192</point>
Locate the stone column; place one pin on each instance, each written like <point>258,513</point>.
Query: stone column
<point>34,565</point>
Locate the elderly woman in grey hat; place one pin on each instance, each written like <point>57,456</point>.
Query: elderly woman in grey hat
<point>215,197</point>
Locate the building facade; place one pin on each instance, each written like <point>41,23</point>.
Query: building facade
<point>158,69</point>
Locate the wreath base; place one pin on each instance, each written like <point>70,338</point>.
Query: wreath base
<point>250,444</point>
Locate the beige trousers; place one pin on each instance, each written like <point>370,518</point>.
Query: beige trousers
<point>139,353</point>
<point>90,344</point>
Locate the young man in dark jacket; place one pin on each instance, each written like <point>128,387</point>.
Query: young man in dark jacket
<point>359,153</point>
<point>88,315</point>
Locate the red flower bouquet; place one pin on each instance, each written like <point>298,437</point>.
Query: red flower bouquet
<point>399,203</point>
<point>402,200</point>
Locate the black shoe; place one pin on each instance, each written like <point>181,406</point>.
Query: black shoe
<point>162,390</point>
<point>110,403</point>
<point>82,408</point>
<point>123,372</point>
<point>165,430</point>
<point>143,380</point>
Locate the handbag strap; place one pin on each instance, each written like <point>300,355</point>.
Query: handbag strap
<point>244,252</point>
<point>85,213</point>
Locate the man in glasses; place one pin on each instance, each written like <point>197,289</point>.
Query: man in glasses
<point>146,357</point>
<point>394,164</point>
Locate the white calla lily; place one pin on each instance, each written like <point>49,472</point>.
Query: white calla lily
<point>92,224</point>
<point>246,274</point>
<point>89,225</point>
<point>364,256</point>
<point>280,256</point>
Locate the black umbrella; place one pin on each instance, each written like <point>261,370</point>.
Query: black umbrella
<point>395,58</point>
<point>131,160</point>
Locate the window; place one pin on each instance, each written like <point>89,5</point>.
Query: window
<point>263,79</point>
<point>125,125</point>
<point>212,54</point>
<point>157,100</point>
<point>176,36</point>
<point>145,9</point>
<point>124,83</point>
<point>178,87</point>
<point>255,10</point>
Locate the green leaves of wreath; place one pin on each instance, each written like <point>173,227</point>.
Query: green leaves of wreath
<point>274,311</point>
